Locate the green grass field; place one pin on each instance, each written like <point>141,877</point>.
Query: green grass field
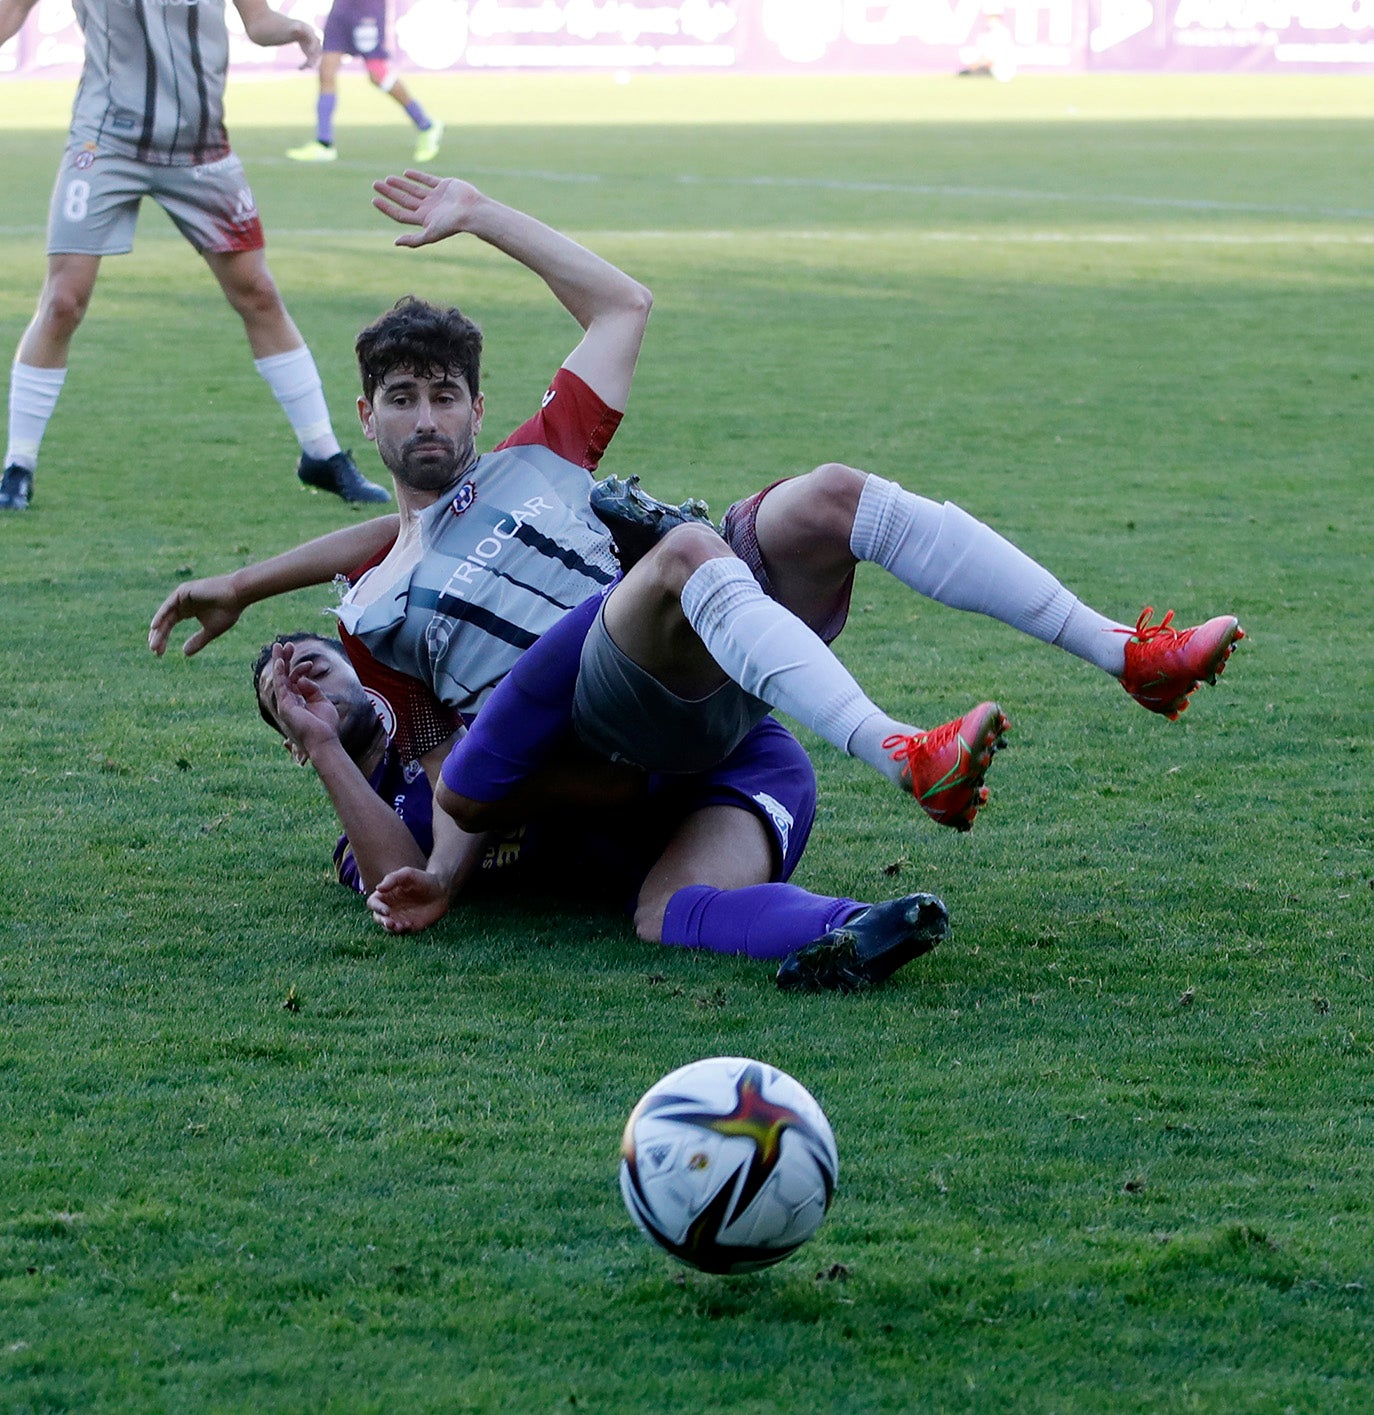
<point>1110,1148</point>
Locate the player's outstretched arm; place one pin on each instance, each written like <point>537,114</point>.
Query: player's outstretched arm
<point>612,307</point>
<point>270,28</point>
<point>13,13</point>
<point>410,900</point>
<point>218,601</point>
<point>378,837</point>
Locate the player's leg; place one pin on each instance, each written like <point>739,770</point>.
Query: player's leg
<point>692,611</point>
<point>713,888</point>
<point>322,148</point>
<point>813,524</point>
<point>92,214</point>
<point>40,369</point>
<point>283,359</point>
<point>430,132</point>
<point>835,516</point>
<point>213,208</point>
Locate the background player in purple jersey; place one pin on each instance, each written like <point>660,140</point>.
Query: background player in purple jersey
<point>611,839</point>
<point>361,27</point>
<point>148,120</point>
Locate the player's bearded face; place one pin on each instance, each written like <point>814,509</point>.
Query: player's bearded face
<point>425,428</point>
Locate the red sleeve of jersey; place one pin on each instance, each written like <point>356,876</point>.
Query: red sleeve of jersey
<point>415,720</point>
<point>572,421</point>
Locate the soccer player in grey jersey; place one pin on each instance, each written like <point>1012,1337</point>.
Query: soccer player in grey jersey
<point>706,632</point>
<point>148,120</point>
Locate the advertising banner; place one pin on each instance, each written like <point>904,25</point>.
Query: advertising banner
<point>809,36</point>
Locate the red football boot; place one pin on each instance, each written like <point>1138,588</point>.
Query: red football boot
<point>1164,665</point>
<point>944,768</point>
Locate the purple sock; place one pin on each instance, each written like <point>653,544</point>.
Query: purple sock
<point>762,920</point>
<point>324,118</point>
<point>526,717</point>
<point>418,116</point>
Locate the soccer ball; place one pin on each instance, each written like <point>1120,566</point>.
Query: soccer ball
<point>728,1164</point>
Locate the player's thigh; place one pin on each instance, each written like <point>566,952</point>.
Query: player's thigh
<point>211,205</point>
<point>94,206</point>
<point>357,27</point>
<point>794,536</point>
<point>726,847</point>
<point>625,713</point>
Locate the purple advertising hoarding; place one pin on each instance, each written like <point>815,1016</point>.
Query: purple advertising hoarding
<point>801,36</point>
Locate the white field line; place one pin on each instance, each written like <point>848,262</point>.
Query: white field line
<point>1021,195</point>
<point>916,189</point>
<point>820,237</point>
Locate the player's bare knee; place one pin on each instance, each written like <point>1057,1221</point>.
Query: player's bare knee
<point>835,488</point>
<point>256,299</point>
<point>63,307</point>
<point>811,514</point>
<point>649,913</point>
<point>680,554</point>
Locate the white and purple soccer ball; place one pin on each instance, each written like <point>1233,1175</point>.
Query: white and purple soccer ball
<point>728,1164</point>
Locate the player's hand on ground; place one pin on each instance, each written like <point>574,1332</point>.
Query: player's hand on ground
<point>408,901</point>
<point>440,206</point>
<point>213,602</point>
<point>310,719</point>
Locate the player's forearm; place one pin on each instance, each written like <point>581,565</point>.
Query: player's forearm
<point>269,27</point>
<point>13,13</point>
<point>379,839</point>
<point>586,285</point>
<point>457,853</point>
<point>316,562</point>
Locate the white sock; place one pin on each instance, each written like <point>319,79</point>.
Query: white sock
<point>944,553</point>
<point>295,383</point>
<point>33,396</point>
<point>770,653</point>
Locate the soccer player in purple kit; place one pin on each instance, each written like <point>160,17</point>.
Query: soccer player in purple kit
<point>360,27</point>
<point>606,838</point>
<point>148,120</point>
<point>670,666</point>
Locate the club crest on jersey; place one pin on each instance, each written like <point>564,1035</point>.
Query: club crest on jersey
<point>85,157</point>
<point>385,712</point>
<point>467,494</point>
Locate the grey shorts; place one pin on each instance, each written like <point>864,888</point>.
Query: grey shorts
<point>96,198</point>
<point>622,712</point>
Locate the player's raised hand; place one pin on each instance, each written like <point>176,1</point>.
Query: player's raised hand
<point>309,718</point>
<point>440,206</point>
<point>211,601</point>
<point>409,900</point>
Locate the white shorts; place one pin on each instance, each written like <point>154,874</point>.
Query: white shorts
<point>96,198</point>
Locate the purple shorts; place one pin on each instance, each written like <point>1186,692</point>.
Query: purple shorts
<point>606,857</point>
<point>357,27</point>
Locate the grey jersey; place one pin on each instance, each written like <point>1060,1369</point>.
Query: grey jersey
<point>152,87</point>
<point>506,556</point>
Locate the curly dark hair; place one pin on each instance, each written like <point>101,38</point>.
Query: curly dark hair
<point>422,339</point>
<point>265,655</point>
